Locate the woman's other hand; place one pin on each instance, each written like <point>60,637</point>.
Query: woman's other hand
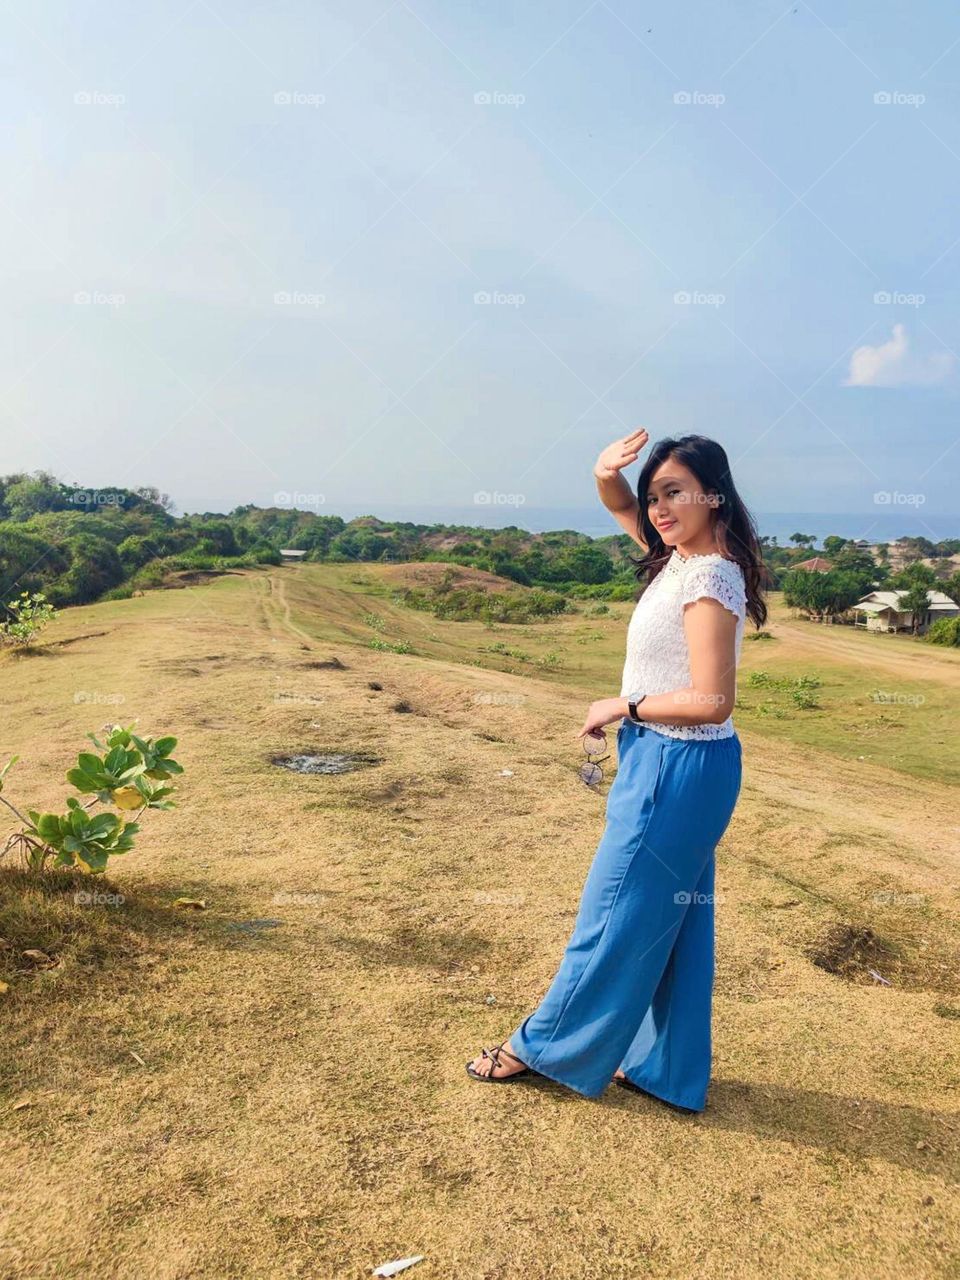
<point>603,713</point>
<point>620,454</point>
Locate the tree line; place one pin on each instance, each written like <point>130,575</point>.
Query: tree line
<point>77,545</point>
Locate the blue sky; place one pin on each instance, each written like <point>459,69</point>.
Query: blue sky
<point>243,247</point>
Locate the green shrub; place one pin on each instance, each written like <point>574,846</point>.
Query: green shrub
<point>134,774</point>
<point>29,614</point>
<point>944,631</point>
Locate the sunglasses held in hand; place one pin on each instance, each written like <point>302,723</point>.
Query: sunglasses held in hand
<point>590,772</point>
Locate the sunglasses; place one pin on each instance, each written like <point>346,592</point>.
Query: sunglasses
<point>590,772</point>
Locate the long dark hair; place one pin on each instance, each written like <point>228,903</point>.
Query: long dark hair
<point>733,526</point>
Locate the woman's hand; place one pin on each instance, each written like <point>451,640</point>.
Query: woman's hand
<point>603,713</point>
<point>620,454</point>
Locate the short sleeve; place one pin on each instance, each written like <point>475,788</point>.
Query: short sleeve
<point>723,582</point>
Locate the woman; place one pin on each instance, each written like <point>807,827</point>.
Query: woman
<point>631,999</point>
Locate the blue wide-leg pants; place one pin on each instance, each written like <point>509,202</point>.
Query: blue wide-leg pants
<point>634,988</point>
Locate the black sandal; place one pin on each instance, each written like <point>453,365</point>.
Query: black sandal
<point>494,1053</point>
<point>624,1083</point>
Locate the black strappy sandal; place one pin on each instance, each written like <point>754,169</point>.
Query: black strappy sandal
<point>494,1053</point>
<point>624,1083</point>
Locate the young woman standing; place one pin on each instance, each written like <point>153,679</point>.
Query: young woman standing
<point>631,1000</point>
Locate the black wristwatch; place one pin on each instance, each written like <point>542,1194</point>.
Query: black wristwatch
<point>632,704</point>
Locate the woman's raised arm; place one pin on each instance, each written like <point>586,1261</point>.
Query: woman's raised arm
<point>615,493</point>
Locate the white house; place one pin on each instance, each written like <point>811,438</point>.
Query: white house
<point>292,556</point>
<point>880,611</point>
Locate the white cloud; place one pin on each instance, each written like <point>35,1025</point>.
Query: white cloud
<point>892,364</point>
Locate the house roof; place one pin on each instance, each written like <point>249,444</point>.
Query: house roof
<point>877,601</point>
<point>816,565</point>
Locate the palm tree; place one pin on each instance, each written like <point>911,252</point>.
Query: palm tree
<point>915,601</point>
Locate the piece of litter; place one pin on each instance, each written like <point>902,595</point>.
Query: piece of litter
<point>506,773</point>
<point>879,977</point>
<point>197,904</point>
<point>136,1057</point>
<point>394,1268</point>
<point>20,1106</point>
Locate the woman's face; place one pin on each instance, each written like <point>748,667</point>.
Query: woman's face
<point>677,505</point>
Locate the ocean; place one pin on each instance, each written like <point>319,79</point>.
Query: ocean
<point>886,526</point>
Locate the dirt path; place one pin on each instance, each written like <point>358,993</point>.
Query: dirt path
<point>896,655</point>
<point>300,1106</point>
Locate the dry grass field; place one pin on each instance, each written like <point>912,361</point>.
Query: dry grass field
<point>274,1086</point>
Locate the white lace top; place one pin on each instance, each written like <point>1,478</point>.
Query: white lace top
<point>657,657</point>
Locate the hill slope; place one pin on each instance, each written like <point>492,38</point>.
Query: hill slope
<point>275,1086</point>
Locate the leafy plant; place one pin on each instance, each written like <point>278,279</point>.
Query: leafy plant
<point>944,631</point>
<point>803,699</point>
<point>384,646</point>
<point>29,614</point>
<point>132,775</point>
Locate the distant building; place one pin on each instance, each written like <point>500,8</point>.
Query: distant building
<point>816,565</point>
<point>292,556</point>
<point>881,612</point>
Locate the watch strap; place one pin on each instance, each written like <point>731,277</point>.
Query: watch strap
<point>632,703</point>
